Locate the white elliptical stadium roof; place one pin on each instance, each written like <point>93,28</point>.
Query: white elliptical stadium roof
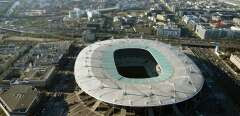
<point>96,74</point>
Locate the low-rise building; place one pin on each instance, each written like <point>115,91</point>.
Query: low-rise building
<point>205,19</point>
<point>192,24</point>
<point>187,18</point>
<point>132,5</point>
<point>1,37</point>
<point>89,36</point>
<point>234,32</point>
<point>161,17</point>
<point>191,21</point>
<point>19,100</point>
<point>35,12</point>
<point>170,30</point>
<point>236,21</point>
<point>205,31</point>
<point>38,66</point>
<point>10,52</point>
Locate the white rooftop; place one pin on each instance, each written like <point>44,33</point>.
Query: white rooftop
<point>96,74</point>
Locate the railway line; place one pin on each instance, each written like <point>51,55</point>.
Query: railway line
<point>193,42</point>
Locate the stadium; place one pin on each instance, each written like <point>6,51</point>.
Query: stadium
<point>136,73</point>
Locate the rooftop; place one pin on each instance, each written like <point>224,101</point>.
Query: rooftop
<point>19,98</point>
<point>100,71</point>
<point>39,61</point>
